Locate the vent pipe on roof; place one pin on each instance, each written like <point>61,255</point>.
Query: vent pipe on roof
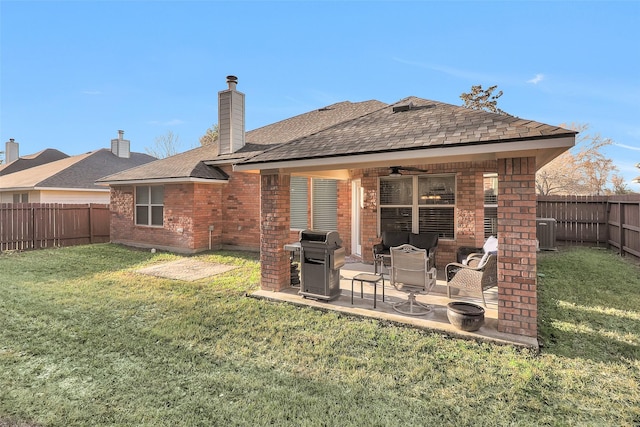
<point>121,147</point>
<point>230,118</point>
<point>11,151</point>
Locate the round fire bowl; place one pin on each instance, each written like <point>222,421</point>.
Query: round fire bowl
<point>465,316</point>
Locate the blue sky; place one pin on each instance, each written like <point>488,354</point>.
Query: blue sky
<point>74,72</point>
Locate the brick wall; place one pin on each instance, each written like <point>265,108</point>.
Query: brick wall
<point>189,210</point>
<point>517,287</point>
<point>241,211</point>
<point>274,261</point>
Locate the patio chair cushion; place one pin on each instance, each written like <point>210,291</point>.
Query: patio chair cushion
<point>426,241</point>
<point>391,239</point>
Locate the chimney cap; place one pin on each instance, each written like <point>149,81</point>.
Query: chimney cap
<point>231,79</point>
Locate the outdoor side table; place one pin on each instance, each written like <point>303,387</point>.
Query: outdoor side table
<point>369,278</point>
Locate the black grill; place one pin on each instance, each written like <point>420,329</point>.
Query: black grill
<point>321,257</point>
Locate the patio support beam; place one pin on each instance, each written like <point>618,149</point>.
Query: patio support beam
<point>274,230</point>
<point>517,286</point>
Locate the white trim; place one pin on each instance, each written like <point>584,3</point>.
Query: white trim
<point>164,181</point>
<point>12,189</point>
<point>441,154</point>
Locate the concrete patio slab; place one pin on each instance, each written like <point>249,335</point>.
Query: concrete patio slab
<point>436,320</point>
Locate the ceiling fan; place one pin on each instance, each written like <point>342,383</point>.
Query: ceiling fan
<point>395,170</point>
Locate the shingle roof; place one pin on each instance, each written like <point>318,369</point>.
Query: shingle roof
<point>73,172</point>
<point>25,162</point>
<point>184,164</point>
<point>311,122</point>
<point>409,124</point>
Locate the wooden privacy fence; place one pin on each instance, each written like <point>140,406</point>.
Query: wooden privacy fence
<point>44,225</point>
<point>595,220</point>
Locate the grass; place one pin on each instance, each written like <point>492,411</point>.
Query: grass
<point>84,340</point>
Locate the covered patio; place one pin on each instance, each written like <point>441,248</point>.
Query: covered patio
<point>419,166</point>
<point>436,320</point>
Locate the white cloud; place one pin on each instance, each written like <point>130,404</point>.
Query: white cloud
<point>455,72</point>
<point>537,79</point>
<point>92,92</point>
<point>628,147</point>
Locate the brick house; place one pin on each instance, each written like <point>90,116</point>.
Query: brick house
<point>359,168</point>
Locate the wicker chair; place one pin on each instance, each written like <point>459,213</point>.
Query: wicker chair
<point>410,272</point>
<point>478,275</point>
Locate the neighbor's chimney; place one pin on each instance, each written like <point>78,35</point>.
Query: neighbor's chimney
<point>11,151</point>
<point>121,147</point>
<point>230,118</point>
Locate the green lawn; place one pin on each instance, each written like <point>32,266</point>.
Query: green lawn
<point>86,341</point>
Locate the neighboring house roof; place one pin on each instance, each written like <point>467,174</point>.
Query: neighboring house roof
<point>76,172</point>
<point>25,162</point>
<point>398,131</point>
<point>200,163</point>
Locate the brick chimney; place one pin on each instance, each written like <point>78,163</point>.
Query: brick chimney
<point>230,118</point>
<point>11,151</point>
<point>121,147</point>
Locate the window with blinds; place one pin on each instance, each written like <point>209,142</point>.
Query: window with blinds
<point>324,207</point>
<point>490,186</point>
<point>418,204</point>
<point>299,200</point>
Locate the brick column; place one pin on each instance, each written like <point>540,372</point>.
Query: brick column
<point>274,230</point>
<point>517,289</point>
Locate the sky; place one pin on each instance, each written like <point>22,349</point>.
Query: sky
<point>73,73</point>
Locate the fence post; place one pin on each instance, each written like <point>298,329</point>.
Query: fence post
<point>621,209</point>
<point>90,222</point>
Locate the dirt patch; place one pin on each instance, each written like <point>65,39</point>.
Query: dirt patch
<point>186,269</point>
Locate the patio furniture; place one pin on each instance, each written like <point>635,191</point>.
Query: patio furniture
<point>465,316</point>
<point>411,273</point>
<point>372,279</point>
<point>382,254</point>
<point>477,276</point>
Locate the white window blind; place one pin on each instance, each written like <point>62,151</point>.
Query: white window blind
<point>299,200</point>
<point>490,204</point>
<point>325,204</point>
<point>418,203</point>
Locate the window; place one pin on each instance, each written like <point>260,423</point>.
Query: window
<point>490,186</point>
<point>418,204</point>
<point>325,204</point>
<point>299,200</point>
<point>21,198</point>
<point>150,205</point>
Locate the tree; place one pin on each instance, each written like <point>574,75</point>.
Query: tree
<point>618,185</point>
<point>583,170</point>
<point>482,99</point>
<point>211,136</point>
<point>164,146</point>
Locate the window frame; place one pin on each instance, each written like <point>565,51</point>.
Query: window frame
<point>448,203</point>
<point>150,205</point>
<point>490,182</point>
